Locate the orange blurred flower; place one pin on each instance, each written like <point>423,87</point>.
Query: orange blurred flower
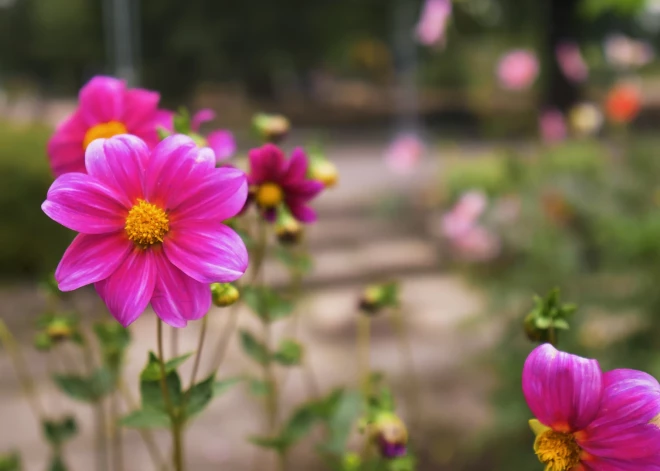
<point>623,103</point>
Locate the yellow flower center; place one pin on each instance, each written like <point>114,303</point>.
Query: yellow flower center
<point>103,130</point>
<point>269,195</point>
<point>557,450</point>
<point>146,224</point>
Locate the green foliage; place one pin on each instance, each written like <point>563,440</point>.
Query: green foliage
<point>289,353</point>
<point>57,432</point>
<point>267,303</point>
<point>10,462</point>
<point>113,340</point>
<point>224,385</point>
<point>254,348</point>
<point>341,410</point>
<point>592,9</point>
<point>153,372</point>
<point>86,388</point>
<point>295,260</point>
<point>57,464</point>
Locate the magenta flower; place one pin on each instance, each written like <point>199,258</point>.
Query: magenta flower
<point>517,69</point>
<point>276,180</point>
<point>552,126</point>
<point>571,62</point>
<point>106,108</point>
<point>404,153</point>
<point>587,420</point>
<point>432,25</point>
<point>150,225</point>
<point>465,214</point>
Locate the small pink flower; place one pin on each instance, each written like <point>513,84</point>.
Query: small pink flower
<point>518,69</point>
<point>432,25</point>
<point>587,420</point>
<point>404,153</point>
<point>623,52</point>
<point>477,244</point>
<point>571,62</point>
<point>150,225</point>
<point>552,126</point>
<point>464,215</point>
<point>106,108</point>
<point>276,180</point>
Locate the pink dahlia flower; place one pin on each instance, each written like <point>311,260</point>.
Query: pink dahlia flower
<point>432,25</point>
<point>106,108</point>
<point>276,180</point>
<point>221,141</point>
<point>464,215</point>
<point>405,153</point>
<point>150,225</point>
<point>552,126</point>
<point>587,420</point>
<point>571,62</point>
<point>518,69</point>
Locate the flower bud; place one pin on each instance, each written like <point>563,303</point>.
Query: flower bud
<point>288,230</point>
<point>378,296</point>
<point>224,294</point>
<point>534,333</point>
<point>59,330</point>
<point>325,172</point>
<point>271,128</point>
<point>390,435</point>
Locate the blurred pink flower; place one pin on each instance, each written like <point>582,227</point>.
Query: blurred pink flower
<point>552,126</point>
<point>623,52</point>
<point>477,245</point>
<point>517,69</point>
<point>404,153</point>
<point>571,62</point>
<point>432,25</point>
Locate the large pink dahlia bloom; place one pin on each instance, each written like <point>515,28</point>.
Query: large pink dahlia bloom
<point>106,108</point>
<point>150,225</point>
<point>588,420</point>
<point>276,180</point>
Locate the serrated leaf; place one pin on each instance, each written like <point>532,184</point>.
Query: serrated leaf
<point>199,396</point>
<point>254,348</point>
<point>224,385</point>
<point>59,431</point>
<point>266,303</point>
<point>146,418</point>
<point>289,353</point>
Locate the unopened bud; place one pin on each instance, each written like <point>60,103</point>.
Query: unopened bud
<point>390,435</point>
<point>224,294</point>
<point>378,296</point>
<point>59,330</point>
<point>324,171</point>
<point>288,230</point>
<point>271,128</point>
<point>534,333</point>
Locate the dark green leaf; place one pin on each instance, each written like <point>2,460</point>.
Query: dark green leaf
<point>275,443</point>
<point>289,353</point>
<point>76,387</point>
<point>300,423</point>
<point>152,371</point>
<point>224,385</point>
<point>346,411</point>
<point>254,348</point>
<point>266,303</point>
<point>10,462</point>
<point>146,418</point>
<point>199,396</point>
<point>57,464</point>
<point>59,431</point>
<point>152,394</point>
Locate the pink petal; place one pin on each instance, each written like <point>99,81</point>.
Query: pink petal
<point>91,258</point>
<point>170,164</point>
<point>128,290</point>
<point>120,163</point>
<point>164,119</point>
<point>622,429</point>
<point>217,196</point>
<point>65,148</point>
<point>297,170</point>
<point>562,389</point>
<point>140,107</point>
<point>102,100</point>
<point>302,212</point>
<point>267,163</point>
<point>84,204</point>
<point>201,117</point>
<point>207,252</point>
<point>178,298</point>
<point>223,144</point>
<point>306,189</point>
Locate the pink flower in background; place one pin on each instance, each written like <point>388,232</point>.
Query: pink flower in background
<point>404,153</point>
<point>150,225</point>
<point>432,25</point>
<point>477,245</point>
<point>623,52</point>
<point>221,141</point>
<point>589,420</point>
<point>518,69</point>
<point>571,62</point>
<point>276,180</point>
<point>552,126</point>
<point>106,108</point>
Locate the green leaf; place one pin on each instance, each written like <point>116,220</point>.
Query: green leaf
<point>300,423</point>
<point>275,443</point>
<point>182,121</point>
<point>152,371</point>
<point>543,322</point>
<point>57,432</point>
<point>266,303</point>
<point>254,348</point>
<point>199,396</point>
<point>260,388</point>
<point>289,353</point>
<point>57,464</point>
<point>10,462</point>
<point>560,324</point>
<point>295,260</point>
<point>152,394</point>
<point>85,389</point>
<point>348,408</point>
<point>224,385</point>
<point>146,418</point>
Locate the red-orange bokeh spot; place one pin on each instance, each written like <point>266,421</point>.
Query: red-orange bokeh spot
<point>623,103</point>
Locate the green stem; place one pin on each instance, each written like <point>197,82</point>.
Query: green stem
<point>272,399</point>
<point>116,437</point>
<point>198,356</point>
<point>364,368</point>
<point>99,411</point>
<point>413,393</point>
<point>176,428</point>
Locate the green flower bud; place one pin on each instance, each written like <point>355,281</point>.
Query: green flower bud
<point>224,294</point>
<point>324,171</point>
<point>288,230</point>
<point>271,128</point>
<point>59,330</point>
<point>390,435</point>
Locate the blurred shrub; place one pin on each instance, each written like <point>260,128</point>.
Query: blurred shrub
<point>30,243</point>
